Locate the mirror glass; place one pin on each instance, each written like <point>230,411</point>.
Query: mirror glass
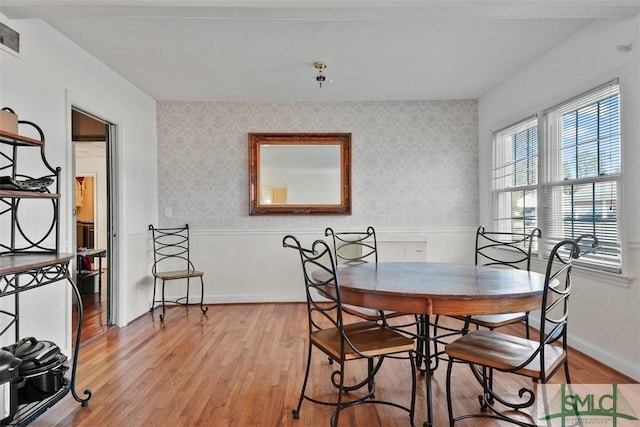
<point>299,173</point>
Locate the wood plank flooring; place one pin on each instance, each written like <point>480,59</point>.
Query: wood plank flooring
<point>95,313</point>
<point>243,365</point>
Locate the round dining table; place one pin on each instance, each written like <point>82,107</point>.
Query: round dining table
<point>426,289</point>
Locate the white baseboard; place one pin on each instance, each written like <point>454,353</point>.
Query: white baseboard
<point>607,358</point>
<point>623,366</point>
<point>242,298</point>
<point>248,299</point>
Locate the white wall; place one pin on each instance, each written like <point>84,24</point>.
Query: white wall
<point>254,267</point>
<point>51,74</point>
<point>605,311</point>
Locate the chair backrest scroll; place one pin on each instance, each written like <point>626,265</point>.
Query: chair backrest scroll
<point>505,249</point>
<point>323,297</point>
<point>354,247</point>
<point>171,249</point>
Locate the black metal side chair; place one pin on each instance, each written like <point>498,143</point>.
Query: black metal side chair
<point>344,342</point>
<point>504,250</point>
<point>171,261</point>
<point>498,249</point>
<point>353,248</point>
<point>357,247</point>
<point>487,350</point>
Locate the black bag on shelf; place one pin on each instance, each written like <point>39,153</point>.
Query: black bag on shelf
<point>27,184</point>
<point>42,368</point>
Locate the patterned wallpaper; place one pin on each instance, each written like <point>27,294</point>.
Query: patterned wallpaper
<point>414,163</point>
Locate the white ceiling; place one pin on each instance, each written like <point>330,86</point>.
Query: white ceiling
<point>264,50</point>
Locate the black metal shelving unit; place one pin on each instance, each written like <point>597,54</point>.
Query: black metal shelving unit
<point>28,260</point>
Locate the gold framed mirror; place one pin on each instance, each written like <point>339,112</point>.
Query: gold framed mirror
<point>299,173</point>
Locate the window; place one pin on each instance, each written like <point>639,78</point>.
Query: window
<point>584,172</point>
<point>576,190</point>
<point>515,177</point>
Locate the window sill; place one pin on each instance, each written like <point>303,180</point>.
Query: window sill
<point>607,278</point>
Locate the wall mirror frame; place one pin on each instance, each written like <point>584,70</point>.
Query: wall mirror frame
<point>325,155</point>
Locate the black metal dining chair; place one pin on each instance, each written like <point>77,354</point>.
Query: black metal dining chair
<point>499,249</point>
<point>343,342</point>
<point>485,351</point>
<point>353,248</point>
<point>357,247</point>
<point>172,261</point>
<point>504,250</point>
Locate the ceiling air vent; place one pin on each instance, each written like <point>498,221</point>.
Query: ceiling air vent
<point>9,38</point>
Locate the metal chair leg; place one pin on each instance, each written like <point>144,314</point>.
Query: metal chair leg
<point>163,308</point>
<point>153,300</point>
<point>336,414</point>
<point>187,297</point>
<point>202,307</point>
<point>296,412</point>
<point>448,392</point>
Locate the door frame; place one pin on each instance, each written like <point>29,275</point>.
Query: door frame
<point>114,207</point>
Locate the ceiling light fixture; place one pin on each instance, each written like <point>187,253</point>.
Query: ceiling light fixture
<point>320,77</point>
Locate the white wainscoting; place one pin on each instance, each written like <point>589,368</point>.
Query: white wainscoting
<point>253,266</point>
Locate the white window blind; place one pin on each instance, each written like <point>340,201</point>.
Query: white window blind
<point>583,173</point>
<point>515,177</point>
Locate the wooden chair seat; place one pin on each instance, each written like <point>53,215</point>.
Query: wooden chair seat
<point>179,274</point>
<point>493,321</point>
<point>505,352</point>
<point>370,339</point>
<point>370,314</point>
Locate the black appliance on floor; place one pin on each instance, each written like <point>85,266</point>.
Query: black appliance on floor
<point>9,379</point>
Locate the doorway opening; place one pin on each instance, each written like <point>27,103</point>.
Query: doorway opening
<point>92,145</point>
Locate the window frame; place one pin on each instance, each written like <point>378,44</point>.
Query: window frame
<point>611,258</point>
<point>505,169</point>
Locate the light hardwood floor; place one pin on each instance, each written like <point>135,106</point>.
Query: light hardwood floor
<point>95,313</point>
<point>243,365</point>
